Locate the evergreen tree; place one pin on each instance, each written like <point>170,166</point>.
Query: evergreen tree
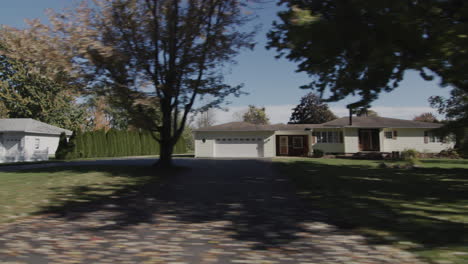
<point>311,110</point>
<point>63,148</point>
<point>71,152</point>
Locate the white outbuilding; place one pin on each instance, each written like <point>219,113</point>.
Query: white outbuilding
<point>25,139</point>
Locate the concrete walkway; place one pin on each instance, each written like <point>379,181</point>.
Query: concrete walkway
<point>213,211</point>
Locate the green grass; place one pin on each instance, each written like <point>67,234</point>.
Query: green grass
<point>421,210</point>
<point>27,193</point>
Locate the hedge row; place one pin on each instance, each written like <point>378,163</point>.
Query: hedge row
<point>114,143</point>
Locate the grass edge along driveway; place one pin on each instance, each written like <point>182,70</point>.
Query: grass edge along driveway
<point>32,192</point>
<point>421,210</point>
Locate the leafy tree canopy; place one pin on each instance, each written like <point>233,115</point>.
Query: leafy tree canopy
<point>152,54</point>
<point>365,112</point>
<point>364,47</point>
<point>256,115</point>
<point>454,108</point>
<point>25,93</point>
<point>311,110</point>
<point>426,117</point>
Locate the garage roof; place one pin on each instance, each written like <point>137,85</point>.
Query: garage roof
<point>29,125</point>
<point>245,126</point>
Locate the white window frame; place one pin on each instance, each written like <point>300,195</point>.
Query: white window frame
<point>387,133</point>
<point>434,138</point>
<point>37,143</point>
<point>329,137</point>
<point>294,142</point>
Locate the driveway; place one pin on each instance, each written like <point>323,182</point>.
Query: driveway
<point>210,211</point>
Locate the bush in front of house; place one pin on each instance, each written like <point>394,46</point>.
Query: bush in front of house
<point>113,143</point>
<point>411,156</point>
<point>318,153</point>
<point>449,154</point>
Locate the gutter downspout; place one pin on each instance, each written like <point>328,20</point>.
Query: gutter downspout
<point>350,116</point>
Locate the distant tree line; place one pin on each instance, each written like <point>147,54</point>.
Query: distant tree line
<point>113,143</point>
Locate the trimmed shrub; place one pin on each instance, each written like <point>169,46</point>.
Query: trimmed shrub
<point>318,153</point>
<point>409,154</point>
<point>114,143</point>
<point>63,147</point>
<point>449,153</point>
<point>78,149</point>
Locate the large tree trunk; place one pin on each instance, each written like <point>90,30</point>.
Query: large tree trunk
<point>166,143</point>
<point>165,158</point>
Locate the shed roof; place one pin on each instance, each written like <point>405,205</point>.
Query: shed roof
<point>29,125</point>
<point>379,122</point>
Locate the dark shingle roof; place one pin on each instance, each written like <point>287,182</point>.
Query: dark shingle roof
<point>245,126</point>
<point>30,126</point>
<point>364,122</point>
<point>379,122</point>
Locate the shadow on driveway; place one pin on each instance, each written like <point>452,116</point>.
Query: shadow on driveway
<point>203,211</point>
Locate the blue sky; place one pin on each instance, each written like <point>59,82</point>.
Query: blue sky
<point>270,82</point>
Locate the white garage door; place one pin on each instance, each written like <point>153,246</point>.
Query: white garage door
<point>251,147</point>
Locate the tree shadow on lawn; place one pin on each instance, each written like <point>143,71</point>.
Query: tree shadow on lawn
<point>261,208</point>
<point>424,206</point>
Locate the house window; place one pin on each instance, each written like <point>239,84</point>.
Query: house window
<point>37,143</point>
<point>298,142</point>
<point>433,138</point>
<point>389,135</point>
<point>329,137</point>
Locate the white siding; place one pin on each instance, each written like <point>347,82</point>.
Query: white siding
<point>207,149</point>
<point>12,147</point>
<point>412,138</point>
<point>351,140</point>
<point>46,142</point>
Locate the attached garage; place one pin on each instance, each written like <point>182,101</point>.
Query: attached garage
<point>246,140</point>
<point>243,147</point>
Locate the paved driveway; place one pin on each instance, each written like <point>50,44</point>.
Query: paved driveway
<point>212,211</point>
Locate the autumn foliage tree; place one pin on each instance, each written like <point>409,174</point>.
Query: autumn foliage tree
<point>311,110</point>
<point>152,54</point>
<point>426,117</point>
<point>256,115</point>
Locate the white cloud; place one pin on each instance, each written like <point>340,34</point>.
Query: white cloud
<point>276,113</point>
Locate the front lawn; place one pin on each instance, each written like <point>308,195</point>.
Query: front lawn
<point>422,210</point>
<point>31,192</point>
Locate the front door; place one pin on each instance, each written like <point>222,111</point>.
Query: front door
<point>283,145</point>
<point>369,140</point>
<point>290,145</point>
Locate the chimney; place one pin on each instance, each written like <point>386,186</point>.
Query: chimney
<point>350,116</point>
